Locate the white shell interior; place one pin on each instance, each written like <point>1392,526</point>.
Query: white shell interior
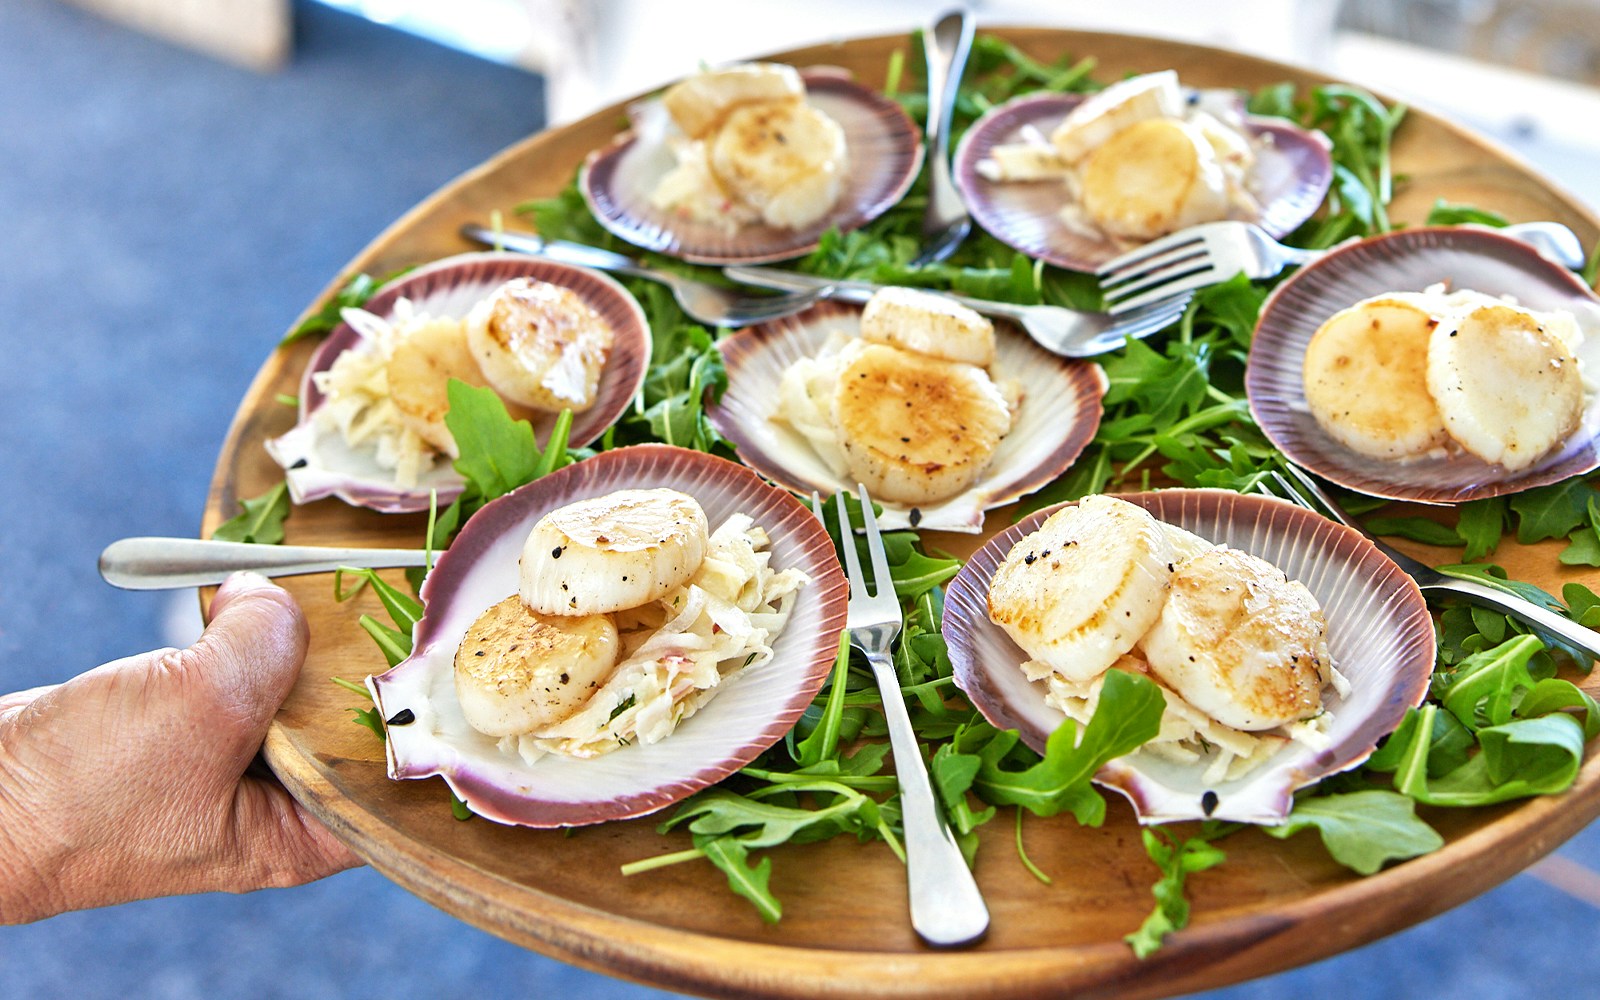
<point>884,156</point>
<point>561,791</point>
<point>1368,645</point>
<point>318,463</point>
<point>1052,409</point>
<point>1410,262</point>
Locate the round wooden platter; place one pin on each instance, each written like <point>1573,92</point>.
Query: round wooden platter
<point>1273,905</point>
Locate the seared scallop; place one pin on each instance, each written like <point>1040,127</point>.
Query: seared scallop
<point>786,159</point>
<point>1152,178</point>
<point>700,103</point>
<point>1125,103</point>
<point>612,552</point>
<point>1365,374</point>
<point>419,371</point>
<point>540,345</point>
<point>1240,641</point>
<point>1507,388</point>
<point>1078,593</point>
<point>518,671</point>
<point>928,323</point>
<point>916,429</point>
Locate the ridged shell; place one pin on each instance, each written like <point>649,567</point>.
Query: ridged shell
<point>1379,633</point>
<point>1059,415</point>
<point>1411,260</point>
<point>753,711</point>
<point>885,153</point>
<point>1291,177</point>
<point>319,464</point>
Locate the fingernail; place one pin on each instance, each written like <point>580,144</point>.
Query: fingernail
<point>238,583</point>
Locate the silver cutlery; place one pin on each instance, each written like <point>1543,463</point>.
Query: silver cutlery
<point>704,303</point>
<point>1072,333</point>
<point>945,222</point>
<point>151,563</point>
<point>1305,492</point>
<point>1216,251</point>
<point>946,907</point>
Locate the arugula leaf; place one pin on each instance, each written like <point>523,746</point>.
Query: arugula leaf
<point>1446,213</point>
<point>498,454</point>
<point>1524,757</point>
<point>261,519</point>
<point>1128,716</point>
<point>1495,576</point>
<point>1480,525</point>
<point>823,742</point>
<point>352,295</point>
<point>1481,691</point>
<point>1362,830</point>
<point>1583,544</point>
<point>1177,861</point>
<point>1551,511</point>
<point>753,883</point>
<point>1418,529</point>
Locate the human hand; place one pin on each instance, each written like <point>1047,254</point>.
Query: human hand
<point>128,781</point>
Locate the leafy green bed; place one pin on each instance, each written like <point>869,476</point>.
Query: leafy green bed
<point>1498,724</point>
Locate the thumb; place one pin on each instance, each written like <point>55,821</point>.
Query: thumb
<point>248,660</point>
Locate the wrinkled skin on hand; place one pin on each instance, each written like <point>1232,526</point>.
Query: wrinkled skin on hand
<point>128,781</point>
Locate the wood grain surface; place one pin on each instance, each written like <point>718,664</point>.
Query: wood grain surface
<point>1272,906</point>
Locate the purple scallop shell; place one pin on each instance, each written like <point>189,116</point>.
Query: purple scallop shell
<point>884,147</point>
<point>1058,418</point>
<point>1291,177</point>
<point>1379,632</point>
<point>1411,260</point>
<point>320,464</point>
<point>753,711</point>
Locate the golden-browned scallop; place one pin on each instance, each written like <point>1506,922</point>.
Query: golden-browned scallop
<point>1080,591</point>
<point>1128,102</point>
<point>928,323</point>
<point>916,429</point>
<point>1365,374</point>
<point>612,552</point>
<point>540,344</point>
<point>700,103</point>
<point>1152,178</point>
<point>786,159</point>
<point>1508,389</point>
<point>1240,641</point>
<point>518,671</point>
<point>419,371</point>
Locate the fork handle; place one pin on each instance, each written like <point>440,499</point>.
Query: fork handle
<point>860,291</point>
<point>946,907</point>
<point>175,563</point>
<point>560,251</point>
<point>1524,611</point>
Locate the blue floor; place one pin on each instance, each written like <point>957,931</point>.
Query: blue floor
<point>162,220</point>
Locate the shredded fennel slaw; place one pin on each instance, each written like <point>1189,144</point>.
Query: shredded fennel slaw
<point>680,649</point>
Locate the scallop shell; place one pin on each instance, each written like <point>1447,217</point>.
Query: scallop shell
<point>753,710</point>
<point>1411,260</point>
<point>885,150</point>
<point>1379,632</point>
<point>1059,415</point>
<point>1292,174</point>
<point>319,464</point>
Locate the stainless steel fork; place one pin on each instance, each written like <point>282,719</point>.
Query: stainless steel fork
<point>702,302</point>
<point>1216,251</point>
<point>1072,333</point>
<point>946,907</point>
<point>1305,492</point>
<point>945,222</point>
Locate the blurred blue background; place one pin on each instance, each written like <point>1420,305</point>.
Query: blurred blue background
<point>163,218</point>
